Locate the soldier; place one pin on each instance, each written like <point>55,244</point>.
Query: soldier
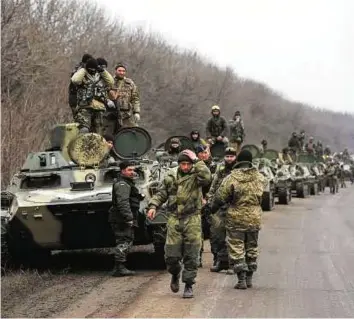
<point>342,176</point>
<point>72,87</point>
<point>216,129</point>
<point>302,140</point>
<point>284,157</point>
<point>319,149</point>
<point>217,221</point>
<point>175,147</point>
<point>310,146</point>
<point>122,216</point>
<point>327,151</point>
<point>126,96</point>
<point>237,132</point>
<point>346,155</point>
<point>243,190</point>
<point>294,144</point>
<point>91,96</point>
<point>182,188</point>
<point>197,140</point>
<point>203,154</point>
<point>264,146</point>
<point>111,156</point>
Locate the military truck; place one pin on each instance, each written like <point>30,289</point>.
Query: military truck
<point>59,200</point>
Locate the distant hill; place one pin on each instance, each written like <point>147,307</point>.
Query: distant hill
<point>42,42</point>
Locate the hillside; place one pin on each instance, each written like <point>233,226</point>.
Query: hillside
<point>41,43</point>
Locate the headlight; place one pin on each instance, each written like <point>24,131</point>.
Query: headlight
<point>90,178</point>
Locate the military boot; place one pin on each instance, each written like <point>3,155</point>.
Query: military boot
<point>230,271</point>
<point>249,275</point>
<point>241,280</point>
<point>188,291</point>
<point>174,285</point>
<point>120,270</point>
<point>219,266</point>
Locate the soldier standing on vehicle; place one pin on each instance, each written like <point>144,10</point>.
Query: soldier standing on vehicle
<point>216,129</point>
<point>302,140</point>
<point>126,96</point>
<point>294,144</point>
<point>91,96</point>
<point>122,216</point>
<point>217,221</point>
<point>310,146</point>
<point>237,131</point>
<point>182,189</point>
<point>327,151</point>
<point>73,87</point>
<point>242,190</point>
<point>264,146</point>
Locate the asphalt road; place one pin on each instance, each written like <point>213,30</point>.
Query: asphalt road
<point>306,269</point>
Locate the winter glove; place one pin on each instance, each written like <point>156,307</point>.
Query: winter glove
<point>110,104</point>
<point>137,117</point>
<point>100,68</point>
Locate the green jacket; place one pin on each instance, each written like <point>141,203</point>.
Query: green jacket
<point>221,172</point>
<point>243,190</point>
<point>182,193</point>
<point>128,98</point>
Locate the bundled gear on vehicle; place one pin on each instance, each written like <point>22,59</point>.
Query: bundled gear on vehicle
<point>92,82</point>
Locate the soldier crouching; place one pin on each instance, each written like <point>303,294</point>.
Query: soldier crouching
<point>243,190</point>
<point>182,188</point>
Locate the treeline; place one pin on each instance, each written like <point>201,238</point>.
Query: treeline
<point>42,41</point>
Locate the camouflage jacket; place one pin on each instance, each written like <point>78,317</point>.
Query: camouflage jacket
<point>92,89</point>
<point>294,144</point>
<point>126,95</point>
<point>182,193</point>
<point>237,130</point>
<point>243,190</point>
<point>216,126</point>
<point>221,172</point>
<point>125,201</point>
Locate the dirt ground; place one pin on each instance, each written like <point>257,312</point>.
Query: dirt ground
<point>305,270</point>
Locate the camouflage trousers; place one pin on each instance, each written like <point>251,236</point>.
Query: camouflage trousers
<point>124,235</point>
<point>183,243</point>
<point>242,247</point>
<point>90,119</point>
<point>218,237</point>
<point>110,123</point>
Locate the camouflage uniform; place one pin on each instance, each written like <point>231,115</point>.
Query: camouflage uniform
<point>237,134</point>
<point>127,100</point>
<point>73,90</point>
<point>217,126</point>
<point>91,97</point>
<point>217,221</point>
<point>125,207</point>
<point>184,195</point>
<point>243,189</point>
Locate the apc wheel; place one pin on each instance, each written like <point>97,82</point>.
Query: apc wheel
<point>314,189</point>
<point>284,197</point>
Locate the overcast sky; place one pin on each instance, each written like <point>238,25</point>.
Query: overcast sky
<point>304,49</point>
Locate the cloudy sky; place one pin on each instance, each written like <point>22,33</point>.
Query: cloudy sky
<point>304,49</point>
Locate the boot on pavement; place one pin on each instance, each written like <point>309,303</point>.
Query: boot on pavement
<point>241,280</point>
<point>120,270</point>
<point>175,283</point>
<point>188,291</point>
<point>249,275</point>
<point>219,266</point>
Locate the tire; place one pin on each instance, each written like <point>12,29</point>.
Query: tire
<point>284,196</point>
<point>314,189</point>
<point>267,201</point>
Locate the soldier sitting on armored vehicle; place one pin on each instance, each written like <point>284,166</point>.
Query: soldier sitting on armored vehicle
<point>197,140</point>
<point>175,147</point>
<point>237,131</point>
<point>91,96</point>
<point>284,156</point>
<point>310,146</point>
<point>111,157</point>
<point>216,128</point>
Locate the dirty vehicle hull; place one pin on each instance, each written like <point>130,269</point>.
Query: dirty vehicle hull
<point>60,198</point>
<point>283,192</point>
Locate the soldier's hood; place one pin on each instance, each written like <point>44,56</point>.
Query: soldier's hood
<point>244,174</point>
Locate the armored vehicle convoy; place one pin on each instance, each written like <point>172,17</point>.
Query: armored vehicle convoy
<point>283,177</point>
<point>59,200</point>
<point>300,182</point>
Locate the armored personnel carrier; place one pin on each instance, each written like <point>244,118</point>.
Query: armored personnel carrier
<point>264,167</point>
<point>310,162</point>
<point>59,200</point>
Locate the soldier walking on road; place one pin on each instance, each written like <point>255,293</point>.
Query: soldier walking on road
<point>242,190</point>
<point>122,216</point>
<point>182,189</point>
<point>217,221</point>
<point>126,95</point>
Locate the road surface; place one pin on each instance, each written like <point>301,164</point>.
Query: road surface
<point>306,269</point>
